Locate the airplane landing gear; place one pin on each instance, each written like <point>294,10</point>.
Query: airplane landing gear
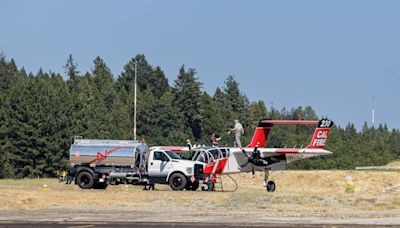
<point>208,187</point>
<point>270,186</point>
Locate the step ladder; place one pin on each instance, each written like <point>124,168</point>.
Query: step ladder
<point>218,185</point>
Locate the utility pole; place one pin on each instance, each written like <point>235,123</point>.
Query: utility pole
<point>373,111</point>
<point>134,104</point>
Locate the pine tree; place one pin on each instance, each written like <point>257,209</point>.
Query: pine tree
<point>122,124</point>
<point>159,82</point>
<point>104,81</point>
<point>147,77</point>
<point>9,75</point>
<point>187,94</point>
<point>3,135</point>
<point>233,96</point>
<point>90,116</point>
<point>212,118</point>
<point>72,72</point>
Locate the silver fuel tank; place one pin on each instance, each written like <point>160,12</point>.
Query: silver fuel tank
<point>94,152</point>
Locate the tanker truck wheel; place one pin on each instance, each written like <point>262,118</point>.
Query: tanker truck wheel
<point>177,181</point>
<point>85,180</point>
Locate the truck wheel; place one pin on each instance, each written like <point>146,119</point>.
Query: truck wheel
<point>85,180</point>
<point>177,181</point>
<point>100,185</point>
<point>195,186</point>
<point>188,187</point>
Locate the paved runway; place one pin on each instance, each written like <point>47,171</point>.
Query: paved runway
<point>14,224</point>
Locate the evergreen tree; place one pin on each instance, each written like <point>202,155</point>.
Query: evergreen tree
<point>104,81</point>
<point>233,97</point>
<point>158,82</point>
<point>122,121</point>
<point>3,135</point>
<point>91,119</point>
<point>187,94</point>
<point>9,74</point>
<point>212,119</point>
<point>147,77</point>
<point>71,70</point>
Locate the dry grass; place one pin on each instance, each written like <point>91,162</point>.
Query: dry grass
<point>394,163</point>
<point>298,193</point>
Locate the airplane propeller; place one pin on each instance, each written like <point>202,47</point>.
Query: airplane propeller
<point>250,159</point>
<point>255,159</point>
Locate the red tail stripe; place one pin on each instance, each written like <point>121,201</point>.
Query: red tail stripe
<point>259,138</point>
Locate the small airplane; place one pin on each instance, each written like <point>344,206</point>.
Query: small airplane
<point>255,157</point>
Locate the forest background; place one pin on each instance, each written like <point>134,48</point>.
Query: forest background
<point>40,113</point>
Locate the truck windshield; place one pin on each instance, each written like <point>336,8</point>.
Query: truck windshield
<point>173,155</point>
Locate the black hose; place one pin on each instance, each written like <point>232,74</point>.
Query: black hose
<point>234,181</point>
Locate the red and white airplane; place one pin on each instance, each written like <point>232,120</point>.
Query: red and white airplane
<point>255,157</point>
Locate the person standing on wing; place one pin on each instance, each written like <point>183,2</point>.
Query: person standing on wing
<point>239,131</point>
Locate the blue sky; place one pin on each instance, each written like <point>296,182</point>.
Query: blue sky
<point>332,55</point>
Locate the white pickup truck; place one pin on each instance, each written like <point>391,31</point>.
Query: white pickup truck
<point>98,163</point>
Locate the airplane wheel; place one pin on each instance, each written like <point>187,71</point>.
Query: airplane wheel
<point>208,187</point>
<point>271,186</point>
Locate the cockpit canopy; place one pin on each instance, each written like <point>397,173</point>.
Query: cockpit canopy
<point>209,154</point>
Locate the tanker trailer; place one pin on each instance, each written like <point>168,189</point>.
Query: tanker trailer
<point>97,163</point>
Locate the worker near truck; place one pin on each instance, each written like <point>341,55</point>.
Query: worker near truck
<point>140,158</point>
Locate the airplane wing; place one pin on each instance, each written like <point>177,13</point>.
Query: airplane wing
<point>275,158</point>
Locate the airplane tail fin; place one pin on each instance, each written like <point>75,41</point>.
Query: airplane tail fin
<point>321,134</point>
<point>260,136</point>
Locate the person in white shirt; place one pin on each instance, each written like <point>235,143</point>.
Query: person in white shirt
<point>238,130</point>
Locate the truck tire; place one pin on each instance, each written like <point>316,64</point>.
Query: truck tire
<point>177,181</point>
<point>100,185</point>
<point>195,186</point>
<point>85,180</point>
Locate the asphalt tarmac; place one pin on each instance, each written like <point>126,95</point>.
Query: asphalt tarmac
<point>22,224</point>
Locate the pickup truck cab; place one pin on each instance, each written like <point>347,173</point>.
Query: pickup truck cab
<point>166,167</point>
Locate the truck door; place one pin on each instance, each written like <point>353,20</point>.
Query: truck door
<point>159,165</point>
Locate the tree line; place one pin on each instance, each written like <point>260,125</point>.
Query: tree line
<point>40,113</point>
